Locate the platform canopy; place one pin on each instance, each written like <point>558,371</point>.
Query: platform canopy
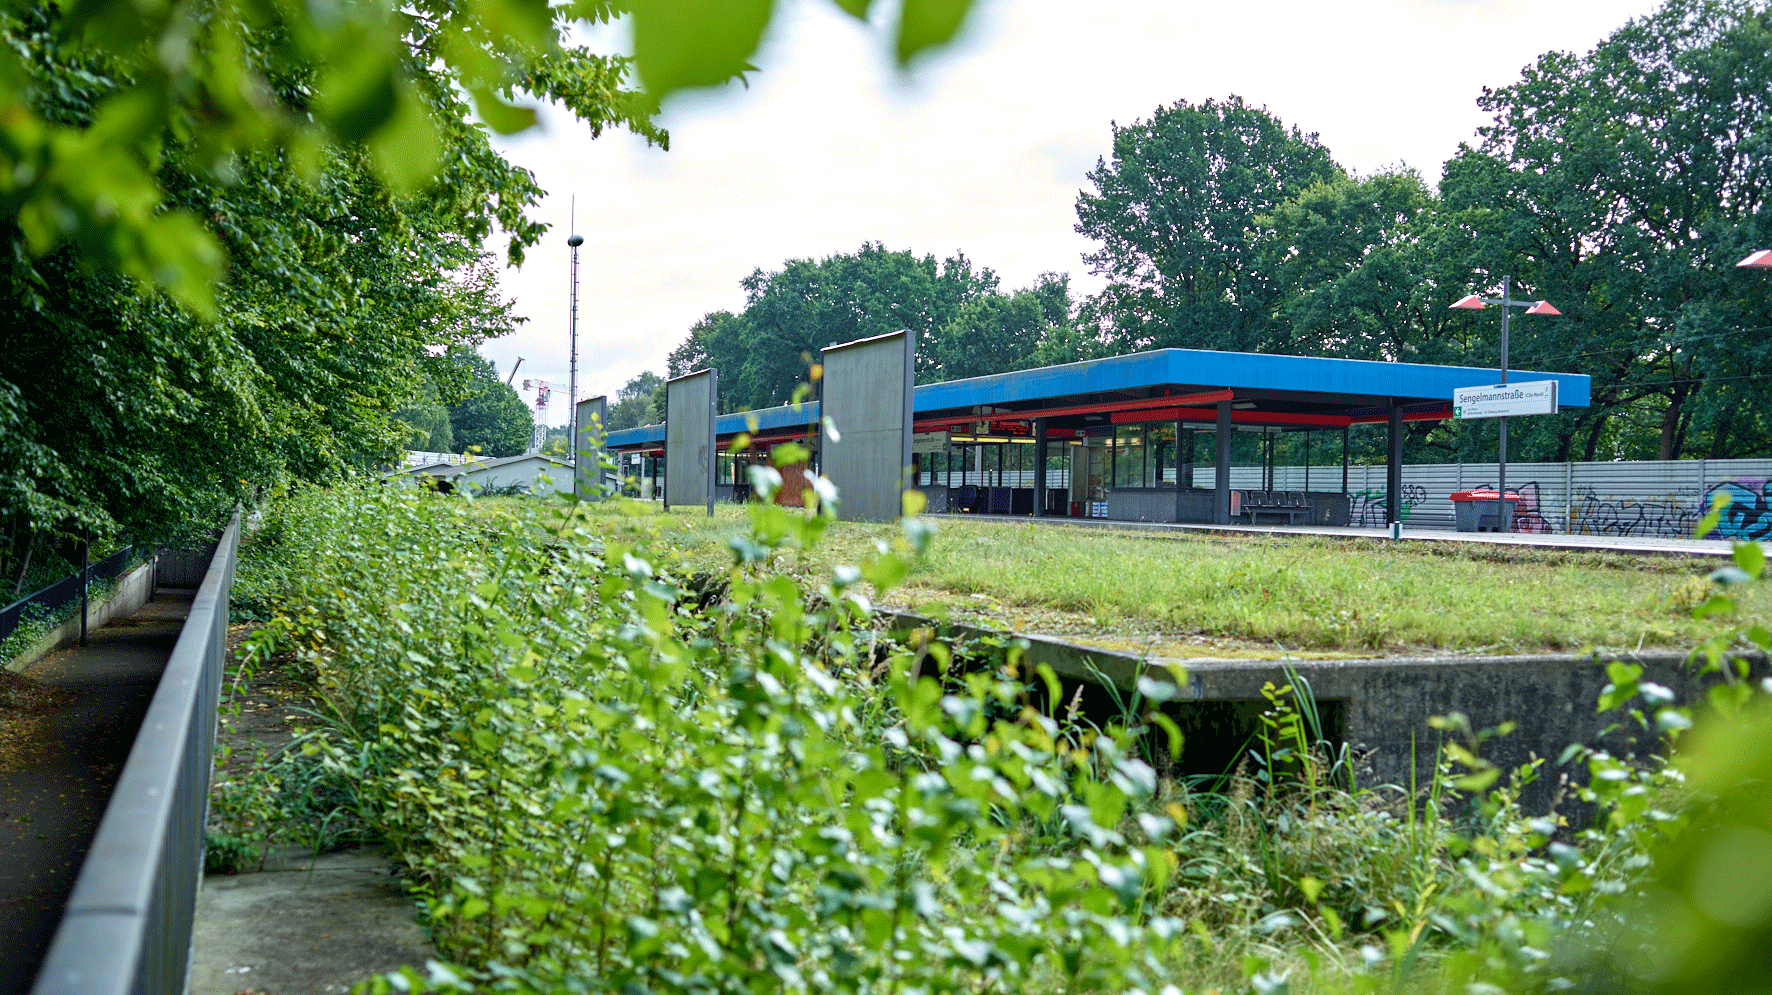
<point>1180,385</point>
<point>1302,391</point>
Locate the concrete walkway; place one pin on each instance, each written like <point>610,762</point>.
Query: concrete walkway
<point>309,927</point>
<point>54,789</point>
<point>1651,545</point>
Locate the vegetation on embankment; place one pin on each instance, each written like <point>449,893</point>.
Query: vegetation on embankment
<point>598,775</point>
<point>1193,595</point>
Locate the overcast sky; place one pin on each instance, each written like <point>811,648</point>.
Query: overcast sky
<point>982,148</point>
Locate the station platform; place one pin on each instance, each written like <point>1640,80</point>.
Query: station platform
<point>1638,545</point>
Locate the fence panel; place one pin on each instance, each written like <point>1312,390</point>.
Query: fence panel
<point>127,927</point>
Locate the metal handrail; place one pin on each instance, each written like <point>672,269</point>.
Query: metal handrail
<point>128,923</point>
<point>63,591</point>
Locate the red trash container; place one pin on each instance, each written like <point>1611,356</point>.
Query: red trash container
<point>1484,510</point>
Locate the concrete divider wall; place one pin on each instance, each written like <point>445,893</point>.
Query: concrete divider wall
<point>689,439</point>
<point>867,397</point>
<point>587,448</point>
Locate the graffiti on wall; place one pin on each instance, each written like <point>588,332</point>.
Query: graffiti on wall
<point>1749,515</point>
<point>1672,514</point>
<point>1366,509</point>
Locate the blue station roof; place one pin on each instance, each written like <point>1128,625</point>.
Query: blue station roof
<point>1272,383</point>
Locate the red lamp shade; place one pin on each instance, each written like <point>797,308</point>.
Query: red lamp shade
<point>1759,260</point>
<point>1468,303</point>
<point>1542,307</point>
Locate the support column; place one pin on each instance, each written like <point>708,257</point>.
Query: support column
<point>1344,455</point>
<point>1039,468</point>
<point>1180,472</point>
<point>1221,481</point>
<point>1393,479</point>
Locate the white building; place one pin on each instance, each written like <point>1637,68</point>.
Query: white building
<point>538,473</point>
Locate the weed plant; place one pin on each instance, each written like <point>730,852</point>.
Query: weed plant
<point>600,772</point>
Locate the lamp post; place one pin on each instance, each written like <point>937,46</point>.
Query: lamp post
<point>1473,302</point>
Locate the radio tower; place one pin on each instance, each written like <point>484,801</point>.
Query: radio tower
<point>575,240</point>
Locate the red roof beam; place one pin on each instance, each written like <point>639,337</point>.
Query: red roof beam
<point>1206,397</point>
<point>1240,417</point>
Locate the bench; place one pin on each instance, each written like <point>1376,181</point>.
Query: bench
<point>1294,505</point>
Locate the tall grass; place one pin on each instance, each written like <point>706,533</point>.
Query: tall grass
<point>1300,593</point>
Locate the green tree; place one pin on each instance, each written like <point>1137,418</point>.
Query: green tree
<point>1175,212</point>
<point>385,78</point>
<point>492,417</point>
<point>1622,185</point>
<point>793,313</point>
<point>996,333</point>
<point>633,402</point>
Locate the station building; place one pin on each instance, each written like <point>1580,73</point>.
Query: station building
<point>1151,436</point>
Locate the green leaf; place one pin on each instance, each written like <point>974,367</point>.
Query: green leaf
<point>499,115</point>
<point>1478,780</point>
<point>406,148</point>
<point>927,23</point>
<point>688,43</point>
<point>1751,558</point>
<point>1171,730</point>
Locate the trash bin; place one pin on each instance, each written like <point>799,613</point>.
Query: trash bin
<point>1484,510</point>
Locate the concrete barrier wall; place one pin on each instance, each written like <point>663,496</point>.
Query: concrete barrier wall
<point>689,439</point>
<point>1385,704</point>
<point>131,592</point>
<point>867,397</point>
<point>587,448</point>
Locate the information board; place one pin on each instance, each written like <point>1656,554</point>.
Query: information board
<point>1505,400</point>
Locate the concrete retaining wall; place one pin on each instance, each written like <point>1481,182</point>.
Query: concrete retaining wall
<point>131,592</point>
<point>1382,706</point>
<point>689,440</point>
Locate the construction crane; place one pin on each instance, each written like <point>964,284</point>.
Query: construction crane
<point>513,375</point>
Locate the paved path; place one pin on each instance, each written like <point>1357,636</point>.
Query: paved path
<point>1653,545</point>
<point>314,927</point>
<point>53,795</point>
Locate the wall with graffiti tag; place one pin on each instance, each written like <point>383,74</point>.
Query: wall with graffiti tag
<point>1644,498</point>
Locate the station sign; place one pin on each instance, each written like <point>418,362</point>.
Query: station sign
<point>1505,400</point>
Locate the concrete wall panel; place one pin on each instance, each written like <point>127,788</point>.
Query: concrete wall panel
<point>689,439</point>
<point>867,396</point>
<point>587,448</point>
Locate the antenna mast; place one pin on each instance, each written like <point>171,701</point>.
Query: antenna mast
<point>575,240</point>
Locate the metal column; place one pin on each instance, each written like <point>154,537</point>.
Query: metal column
<point>1393,477</point>
<point>1221,480</point>
<point>1039,468</point>
<point>1180,474</point>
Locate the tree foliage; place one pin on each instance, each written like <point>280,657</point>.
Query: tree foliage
<point>1174,212</point>
<point>227,80</point>
<point>965,326</point>
<point>633,402</point>
<point>131,413</point>
<point>1621,185</point>
<point>491,420</point>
